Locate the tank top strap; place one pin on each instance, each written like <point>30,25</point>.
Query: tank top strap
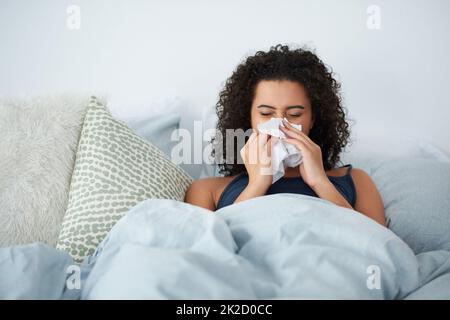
<point>349,168</point>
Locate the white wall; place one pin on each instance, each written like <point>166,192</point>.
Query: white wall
<point>394,79</point>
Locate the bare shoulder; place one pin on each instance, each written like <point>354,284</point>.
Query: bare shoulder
<point>360,176</point>
<point>206,192</point>
<point>211,183</point>
<point>368,198</point>
<point>363,181</point>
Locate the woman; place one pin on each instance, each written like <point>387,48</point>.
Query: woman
<point>296,85</point>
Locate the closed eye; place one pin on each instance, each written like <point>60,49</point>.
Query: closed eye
<point>265,114</point>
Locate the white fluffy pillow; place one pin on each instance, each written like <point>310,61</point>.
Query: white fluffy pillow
<point>39,138</point>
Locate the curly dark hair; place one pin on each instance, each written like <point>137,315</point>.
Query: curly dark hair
<point>330,130</point>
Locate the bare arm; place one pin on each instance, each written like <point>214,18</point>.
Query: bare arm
<point>328,191</point>
<point>200,194</point>
<point>251,191</point>
<point>368,200</point>
<point>259,148</point>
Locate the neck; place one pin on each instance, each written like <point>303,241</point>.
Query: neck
<point>292,172</point>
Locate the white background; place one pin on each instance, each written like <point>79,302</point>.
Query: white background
<point>395,80</point>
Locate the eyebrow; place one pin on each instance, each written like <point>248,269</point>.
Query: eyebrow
<point>290,107</point>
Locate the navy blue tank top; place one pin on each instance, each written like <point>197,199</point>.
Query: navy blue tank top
<point>344,184</point>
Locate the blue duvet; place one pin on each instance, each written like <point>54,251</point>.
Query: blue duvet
<point>282,246</point>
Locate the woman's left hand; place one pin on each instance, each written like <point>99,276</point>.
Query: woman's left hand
<point>311,168</point>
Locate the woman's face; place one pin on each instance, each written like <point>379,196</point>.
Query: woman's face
<point>281,99</point>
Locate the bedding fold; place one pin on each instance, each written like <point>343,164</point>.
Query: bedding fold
<point>282,246</point>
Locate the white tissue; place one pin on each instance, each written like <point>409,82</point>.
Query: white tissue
<point>283,154</point>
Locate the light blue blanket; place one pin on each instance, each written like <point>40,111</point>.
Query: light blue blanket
<point>283,246</point>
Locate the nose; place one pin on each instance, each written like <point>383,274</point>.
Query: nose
<point>280,114</point>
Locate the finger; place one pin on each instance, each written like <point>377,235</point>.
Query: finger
<point>298,131</point>
<point>250,140</point>
<point>270,143</point>
<point>253,136</point>
<point>296,135</point>
<point>302,146</point>
<point>266,150</point>
<point>290,126</point>
<point>252,148</point>
<point>272,140</point>
<point>290,133</point>
<point>262,139</point>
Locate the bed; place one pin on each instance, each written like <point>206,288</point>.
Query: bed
<point>283,246</point>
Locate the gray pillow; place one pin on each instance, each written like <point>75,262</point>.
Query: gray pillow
<point>416,196</point>
<point>158,130</point>
<point>114,170</point>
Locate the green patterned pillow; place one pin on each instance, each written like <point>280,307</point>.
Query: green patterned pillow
<point>114,170</point>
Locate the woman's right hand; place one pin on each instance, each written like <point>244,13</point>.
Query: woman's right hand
<point>257,154</point>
